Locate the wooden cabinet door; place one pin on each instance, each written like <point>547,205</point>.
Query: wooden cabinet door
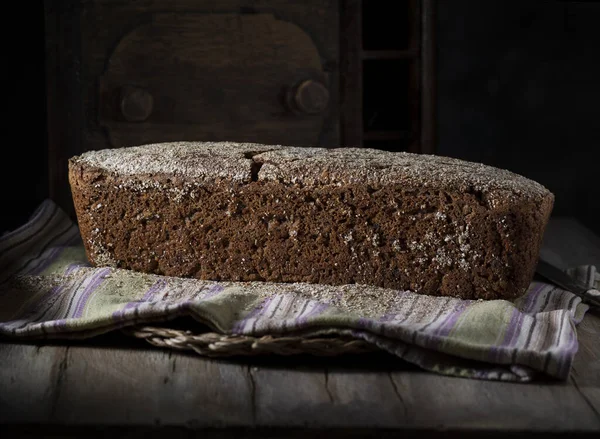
<point>124,73</point>
<point>239,77</point>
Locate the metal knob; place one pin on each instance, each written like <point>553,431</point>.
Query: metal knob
<point>309,97</point>
<point>136,104</point>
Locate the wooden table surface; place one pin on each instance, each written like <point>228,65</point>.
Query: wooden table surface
<point>123,387</point>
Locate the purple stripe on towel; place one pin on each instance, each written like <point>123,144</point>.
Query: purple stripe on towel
<point>531,298</point>
<point>150,292</point>
<point>95,283</point>
<point>47,261</point>
<point>54,254</point>
<point>74,266</point>
<point>568,353</point>
<point>59,325</point>
<point>435,337</point>
<point>316,311</point>
<point>155,288</point>
<point>511,331</point>
<point>257,311</point>
<point>213,291</point>
<point>516,320</point>
<point>451,319</point>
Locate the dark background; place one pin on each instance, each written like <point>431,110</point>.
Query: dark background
<point>518,87</point>
<point>23,163</point>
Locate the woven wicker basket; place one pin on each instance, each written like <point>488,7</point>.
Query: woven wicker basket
<point>218,345</point>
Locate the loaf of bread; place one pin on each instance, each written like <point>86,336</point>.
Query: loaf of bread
<point>250,212</point>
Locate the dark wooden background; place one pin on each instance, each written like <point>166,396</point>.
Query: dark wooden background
<point>517,87</point>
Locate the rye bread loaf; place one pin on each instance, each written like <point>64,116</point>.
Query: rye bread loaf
<point>250,212</point>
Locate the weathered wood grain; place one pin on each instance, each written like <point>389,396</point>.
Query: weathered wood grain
<point>585,374</point>
<point>304,403</point>
<point>124,386</point>
<point>98,386</point>
<point>29,375</point>
<point>367,399</point>
<point>457,403</point>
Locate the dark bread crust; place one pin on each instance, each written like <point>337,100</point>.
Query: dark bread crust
<point>297,221</point>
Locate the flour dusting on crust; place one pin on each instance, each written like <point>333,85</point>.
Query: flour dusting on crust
<point>210,161</point>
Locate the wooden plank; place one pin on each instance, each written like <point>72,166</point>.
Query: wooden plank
<point>585,374</point>
<point>455,403</point>
<point>29,375</point>
<point>209,392</point>
<point>344,392</point>
<point>116,386</point>
<point>367,399</point>
<point>288,397</point>
<point>120,386</point>
<point>586,366</point>
<point>111,386</point>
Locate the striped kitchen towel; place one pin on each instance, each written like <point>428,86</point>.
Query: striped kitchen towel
<point>48,290</point>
